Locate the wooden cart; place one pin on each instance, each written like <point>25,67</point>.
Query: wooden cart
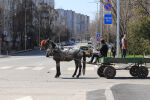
<point>138,69</point>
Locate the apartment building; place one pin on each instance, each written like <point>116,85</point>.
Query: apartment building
<point>76,22</point>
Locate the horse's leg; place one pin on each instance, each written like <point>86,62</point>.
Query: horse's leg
<point>80,67</point>
<point>57,69</point>
<point>76,68</point>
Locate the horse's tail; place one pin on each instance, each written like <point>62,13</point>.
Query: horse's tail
<point>84,63</point>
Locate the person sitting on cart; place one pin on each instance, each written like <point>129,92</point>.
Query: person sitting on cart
<point>103,52</point>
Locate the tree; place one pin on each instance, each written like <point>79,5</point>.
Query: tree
<point>47,19</point>
<point>1,22</point>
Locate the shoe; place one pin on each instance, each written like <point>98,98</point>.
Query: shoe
<point>95,62</point>
<point>89,62</point>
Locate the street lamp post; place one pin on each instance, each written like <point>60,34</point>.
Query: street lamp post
<point>39,26</point>
<point>101,17</point>
<point>97,19</point>
<point>118,17</point>
<point>25,28</point>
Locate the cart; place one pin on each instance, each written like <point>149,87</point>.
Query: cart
<point>137,69</point>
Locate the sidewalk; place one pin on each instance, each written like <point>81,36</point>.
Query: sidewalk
<point>3,56</point>
<point>11,53</point>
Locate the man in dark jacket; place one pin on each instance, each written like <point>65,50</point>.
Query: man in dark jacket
<point>103,52</point>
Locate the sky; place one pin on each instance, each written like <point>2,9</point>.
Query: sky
<point>87,7</point>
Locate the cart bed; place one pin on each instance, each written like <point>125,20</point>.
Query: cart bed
<point>124,60</point>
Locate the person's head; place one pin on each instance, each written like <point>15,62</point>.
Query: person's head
<point>124,36</point>
<point>103,41</point>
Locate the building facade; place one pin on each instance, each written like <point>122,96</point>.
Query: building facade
<point>77,23</point>
<point>11,10</point>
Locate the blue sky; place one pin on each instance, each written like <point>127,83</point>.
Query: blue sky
<point>87,7</point>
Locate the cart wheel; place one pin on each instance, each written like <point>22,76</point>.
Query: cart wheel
<point>134,71</point>
<point>100,71</point>
<point>109,72</point>
<point>143,72</point>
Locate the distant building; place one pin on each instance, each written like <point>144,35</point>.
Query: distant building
<point>77,23</point>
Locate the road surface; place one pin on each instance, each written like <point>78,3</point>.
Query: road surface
<point>30,76</point>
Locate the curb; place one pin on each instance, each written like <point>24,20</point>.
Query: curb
<point>20,51</point>
<point>4,56</point>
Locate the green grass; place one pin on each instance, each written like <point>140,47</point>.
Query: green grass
<point>132,56</point>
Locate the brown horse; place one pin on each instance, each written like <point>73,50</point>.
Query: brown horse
<point>60,55</point>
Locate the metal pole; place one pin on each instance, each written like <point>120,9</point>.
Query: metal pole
<point>107,34</point>
<point>0,44</point>
<point>97,20</point>
<point>39,27</point>
<point>101,17</point>
<point>118,17</point>
<point>25,28</point>
<point>59,37</point>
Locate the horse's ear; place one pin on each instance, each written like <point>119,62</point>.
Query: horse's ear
<point>53,44</point>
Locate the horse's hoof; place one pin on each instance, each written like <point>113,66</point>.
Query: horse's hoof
<point>77,77</point>
<point>56,76</point>
<point>73,76</point>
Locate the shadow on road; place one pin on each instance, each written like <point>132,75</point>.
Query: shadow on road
<point>130,78</point>
<point>81,78</point>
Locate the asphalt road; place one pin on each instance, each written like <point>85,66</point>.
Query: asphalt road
<point>30,76</point>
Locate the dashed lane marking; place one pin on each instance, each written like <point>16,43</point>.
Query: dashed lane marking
<point>6,67</point>
<point>71,68</point>
<point>96,66</point>
<point>108,93</point>
<point>22,68</point>
<point>25,98</point>
<point>54,68</point>
<point>38,68</point>
<point>90,68</point>
<point>87,68</point>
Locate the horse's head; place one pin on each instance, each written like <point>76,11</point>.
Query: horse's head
<point>44,44</point>
<point>49,46</point>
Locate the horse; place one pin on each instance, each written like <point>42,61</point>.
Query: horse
<point>64,55</point>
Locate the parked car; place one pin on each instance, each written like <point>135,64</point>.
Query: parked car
<point>70,43</point>
<point>89,43</point>
<point>87,50</point>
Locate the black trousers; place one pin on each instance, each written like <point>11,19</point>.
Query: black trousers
<point>95,55</point>
<point>124,53</point>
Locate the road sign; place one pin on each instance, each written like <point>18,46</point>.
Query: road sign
<point>98,35</point>
<point>108,19</point>
<point>108,6</point>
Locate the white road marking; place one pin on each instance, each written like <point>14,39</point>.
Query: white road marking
<point>108,93</point>
<point>87,68</point>
<point>6,67</point>
<point>81,95</point>
<point>71,68</point>
<point>40,64</point>
<point>96,66</point>
<point>54,68</point>
<point>38,68</point>
<point>90,68</point>
<point>22,68</point>
<point>25,98</point>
